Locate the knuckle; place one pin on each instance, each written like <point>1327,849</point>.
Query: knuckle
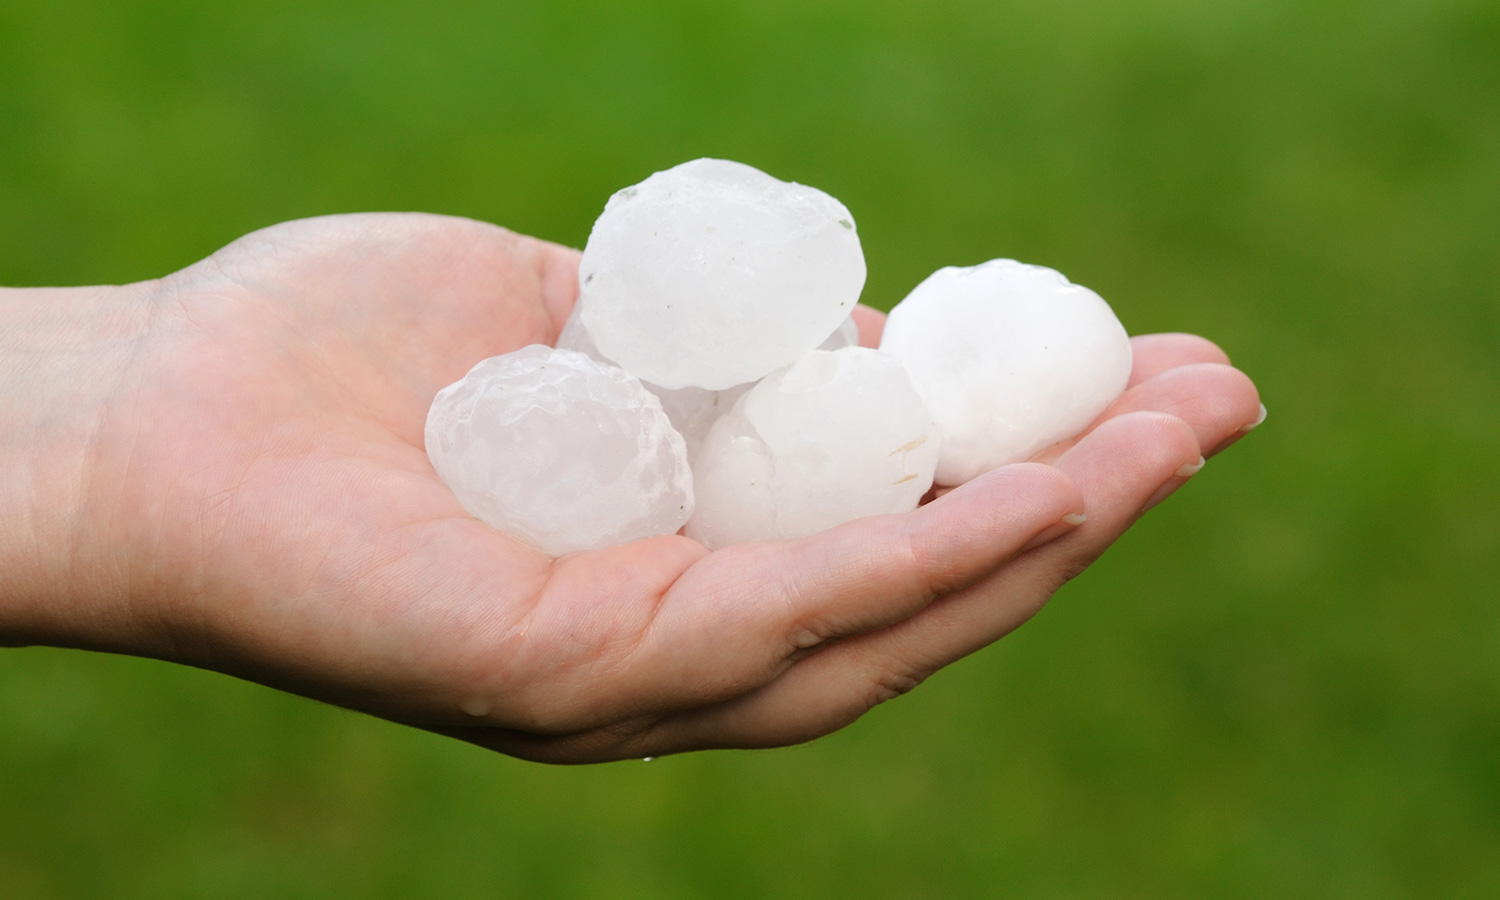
<point>1071,568</point>
<point>887,681</point>
<point>806,637</point>
<point>1068,568</point>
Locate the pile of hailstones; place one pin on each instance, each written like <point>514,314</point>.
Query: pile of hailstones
<point>710,377</point>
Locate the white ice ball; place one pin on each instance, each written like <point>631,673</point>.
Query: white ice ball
<point>559,450</point>
<point>1010,358</point>
<point>712,274</point>
<point>692,410</point>
<point>834,437</point>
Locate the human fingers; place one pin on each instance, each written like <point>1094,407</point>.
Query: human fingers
<point>743,615</point>
<point>1219,402</point>
<point>871,323</point>
<point>721,597</point>
<point>1152,354</point>
<point>557,271</point>
<point>1260,418</point>
<point>1118,467</point>
<point>1132,460</point>
<point>738,617</point>
<point>870,573</point>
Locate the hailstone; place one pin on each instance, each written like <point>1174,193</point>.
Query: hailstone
<point>704,294</point>
<point>846,335</point>
<point>1010,358</point>
<point>560,450</point>
<point>712,274</point>
<point>692,410</point>
<point>836,436</point>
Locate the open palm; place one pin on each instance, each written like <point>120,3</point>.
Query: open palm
<point>269,483</point>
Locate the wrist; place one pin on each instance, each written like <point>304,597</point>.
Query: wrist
<point>69,362</point>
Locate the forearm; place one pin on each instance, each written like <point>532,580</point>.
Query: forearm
<point>66,358</point>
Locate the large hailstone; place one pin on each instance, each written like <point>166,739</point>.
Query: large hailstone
<point>712,274</point>
<point>834,437</point>
<point>692,410</point>
<point>559,450</point>
<point>1010,358</point>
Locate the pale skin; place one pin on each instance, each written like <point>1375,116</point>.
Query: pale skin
<point>224,468</point>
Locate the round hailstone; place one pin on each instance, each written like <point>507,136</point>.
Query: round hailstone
<point>1010,358</point>
<point>575,336</point>
<point>712,274</point>
<point>692,410</point>
<point>834,437</point>
<point>561,451</point>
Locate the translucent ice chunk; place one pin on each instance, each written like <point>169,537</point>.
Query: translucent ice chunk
<point>1010,358</point>
<point>712,274</point>
<point>834,437</point>
<point>559,450</point>
<point>577,338</point>
<point>846,335</point>
<point>692,410</point>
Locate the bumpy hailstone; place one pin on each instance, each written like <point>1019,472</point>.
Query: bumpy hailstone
<point>559,450</point>
<point>692,410</point>
<point>712,274</point>
<point>834,437</point>
<point>1010,358</point>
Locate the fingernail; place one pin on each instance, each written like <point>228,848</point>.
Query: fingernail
<point>1068,523</point>
<point>1178,478</point>
<point>1258,419</point>
<point>1240,432</point>
<point>1191,469</point>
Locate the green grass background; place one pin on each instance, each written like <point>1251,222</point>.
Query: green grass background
<point>1285,683</point>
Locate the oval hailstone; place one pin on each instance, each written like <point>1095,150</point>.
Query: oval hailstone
<point>834,437</point>
<point>559,450</point>
<point>692,410</point>
<point>712,274</point>
<point>1010,358</point>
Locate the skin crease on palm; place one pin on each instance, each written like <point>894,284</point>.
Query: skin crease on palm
<point>224,468</point>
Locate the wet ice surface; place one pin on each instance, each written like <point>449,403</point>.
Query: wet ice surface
<point>1010,358</point>
<point>712,274</point>
<point>835,437</point>
<point>561,451</point>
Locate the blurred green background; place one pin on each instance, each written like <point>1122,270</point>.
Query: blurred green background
<point>1285,683</point>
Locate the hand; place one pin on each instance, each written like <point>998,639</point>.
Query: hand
<point>239,483</point>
